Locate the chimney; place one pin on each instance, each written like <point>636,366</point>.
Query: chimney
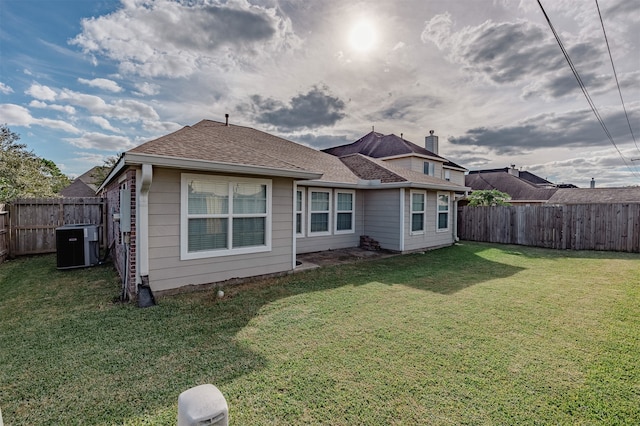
<point>593,183</point>
<point>431,142</point>
<point>226,119</point>
<point>513,171</point>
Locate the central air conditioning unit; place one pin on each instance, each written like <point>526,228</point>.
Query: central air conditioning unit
<point>77,246</point>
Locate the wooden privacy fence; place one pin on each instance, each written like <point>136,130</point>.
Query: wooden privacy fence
<point>4,233</point>
<point>609,227</point>
<point>33,221</point>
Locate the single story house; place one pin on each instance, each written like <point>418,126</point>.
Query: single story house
<point>214,201</point>
<point>524,188</point>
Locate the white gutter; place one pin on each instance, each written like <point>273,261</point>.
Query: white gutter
<point>114,172</point>
<point>455,215</point>
<point>142,213</point>
<point>364,184</point>
<point>412,154</point>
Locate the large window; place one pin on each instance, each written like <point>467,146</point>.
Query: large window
<point>319,211</point>
<point>224,216</point>
<point>418,208</point>
<point>443,211</point>
<point>345,219</point>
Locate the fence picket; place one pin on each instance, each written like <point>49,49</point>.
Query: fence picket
<point>612,227</point>
<point>33,221</point>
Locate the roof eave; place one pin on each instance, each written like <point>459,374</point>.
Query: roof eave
<point>115,171</point>
<point>414,154</point>
<point>459,168</point>
<point>368,184</point>
<point>134,158</point>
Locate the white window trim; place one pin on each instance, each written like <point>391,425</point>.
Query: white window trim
<point>301,212</point>
<point>184,217</point>
<point>438,229</point>
<point>431,168</point>
<point>352,211</point>
<point>411,212</point>
<point>310,211</point>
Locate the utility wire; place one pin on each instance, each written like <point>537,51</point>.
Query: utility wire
<point>616,76</point>
<point>584,89</point>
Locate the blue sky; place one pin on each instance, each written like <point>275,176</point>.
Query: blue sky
<point>84,80</point>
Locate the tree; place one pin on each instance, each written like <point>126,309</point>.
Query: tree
<point>489,197</point>
<point>100,173</point>
<point>22,173</point>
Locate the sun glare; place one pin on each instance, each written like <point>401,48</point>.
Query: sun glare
<point>362,36</point>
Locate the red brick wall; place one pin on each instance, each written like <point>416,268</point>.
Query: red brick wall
<point>114,236</point>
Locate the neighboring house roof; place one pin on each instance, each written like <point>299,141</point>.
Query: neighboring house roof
<point>377,145</point>
<point>84,185</point>
<point>518,188</point>
<point>522,174</point>
<point>595,195</point>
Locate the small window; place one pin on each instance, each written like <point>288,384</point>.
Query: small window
<point>319,212</point>
<point>447,175</point>
<point>300,212</point>
<point>345,218</point>
<point>443,211</point>
<point>418,208</point>
<point>429,168</point>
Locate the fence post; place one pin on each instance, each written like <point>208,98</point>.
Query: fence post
<point>4,233</point>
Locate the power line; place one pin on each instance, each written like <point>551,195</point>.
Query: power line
<point>616,76</point>
<point>584,90</point>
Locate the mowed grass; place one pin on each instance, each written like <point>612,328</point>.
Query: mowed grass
<point>470,334</point>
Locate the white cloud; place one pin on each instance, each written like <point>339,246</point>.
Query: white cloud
<point>147,89</point>
<point>5,89</point>
<point>124,109</point>
<point>104,124</point>
<point>62,108</point>
<point>605,166</point>
<point>17,115</point>
<point>94,140</point>
<point>176,39</point>
<point>102,83</point>
<point>43,93</point>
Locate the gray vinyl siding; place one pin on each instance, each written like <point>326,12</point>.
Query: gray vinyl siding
<point>417,165</point>
<point>310,244</point>
<point>457,177</point>
<point>167,271</point>
<point>430,238</point>
<point>382,217</point>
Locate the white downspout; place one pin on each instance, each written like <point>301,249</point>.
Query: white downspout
<point>402,220</point>
<point>455,215</point>
<point>143,221</point>
<point>295,216</point>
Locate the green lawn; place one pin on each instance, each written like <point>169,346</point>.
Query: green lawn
<point>471,334</point>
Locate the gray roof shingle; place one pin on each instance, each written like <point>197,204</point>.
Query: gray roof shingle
<point>217,142</point>
<point>518,189</point>
<point>595,195</point>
